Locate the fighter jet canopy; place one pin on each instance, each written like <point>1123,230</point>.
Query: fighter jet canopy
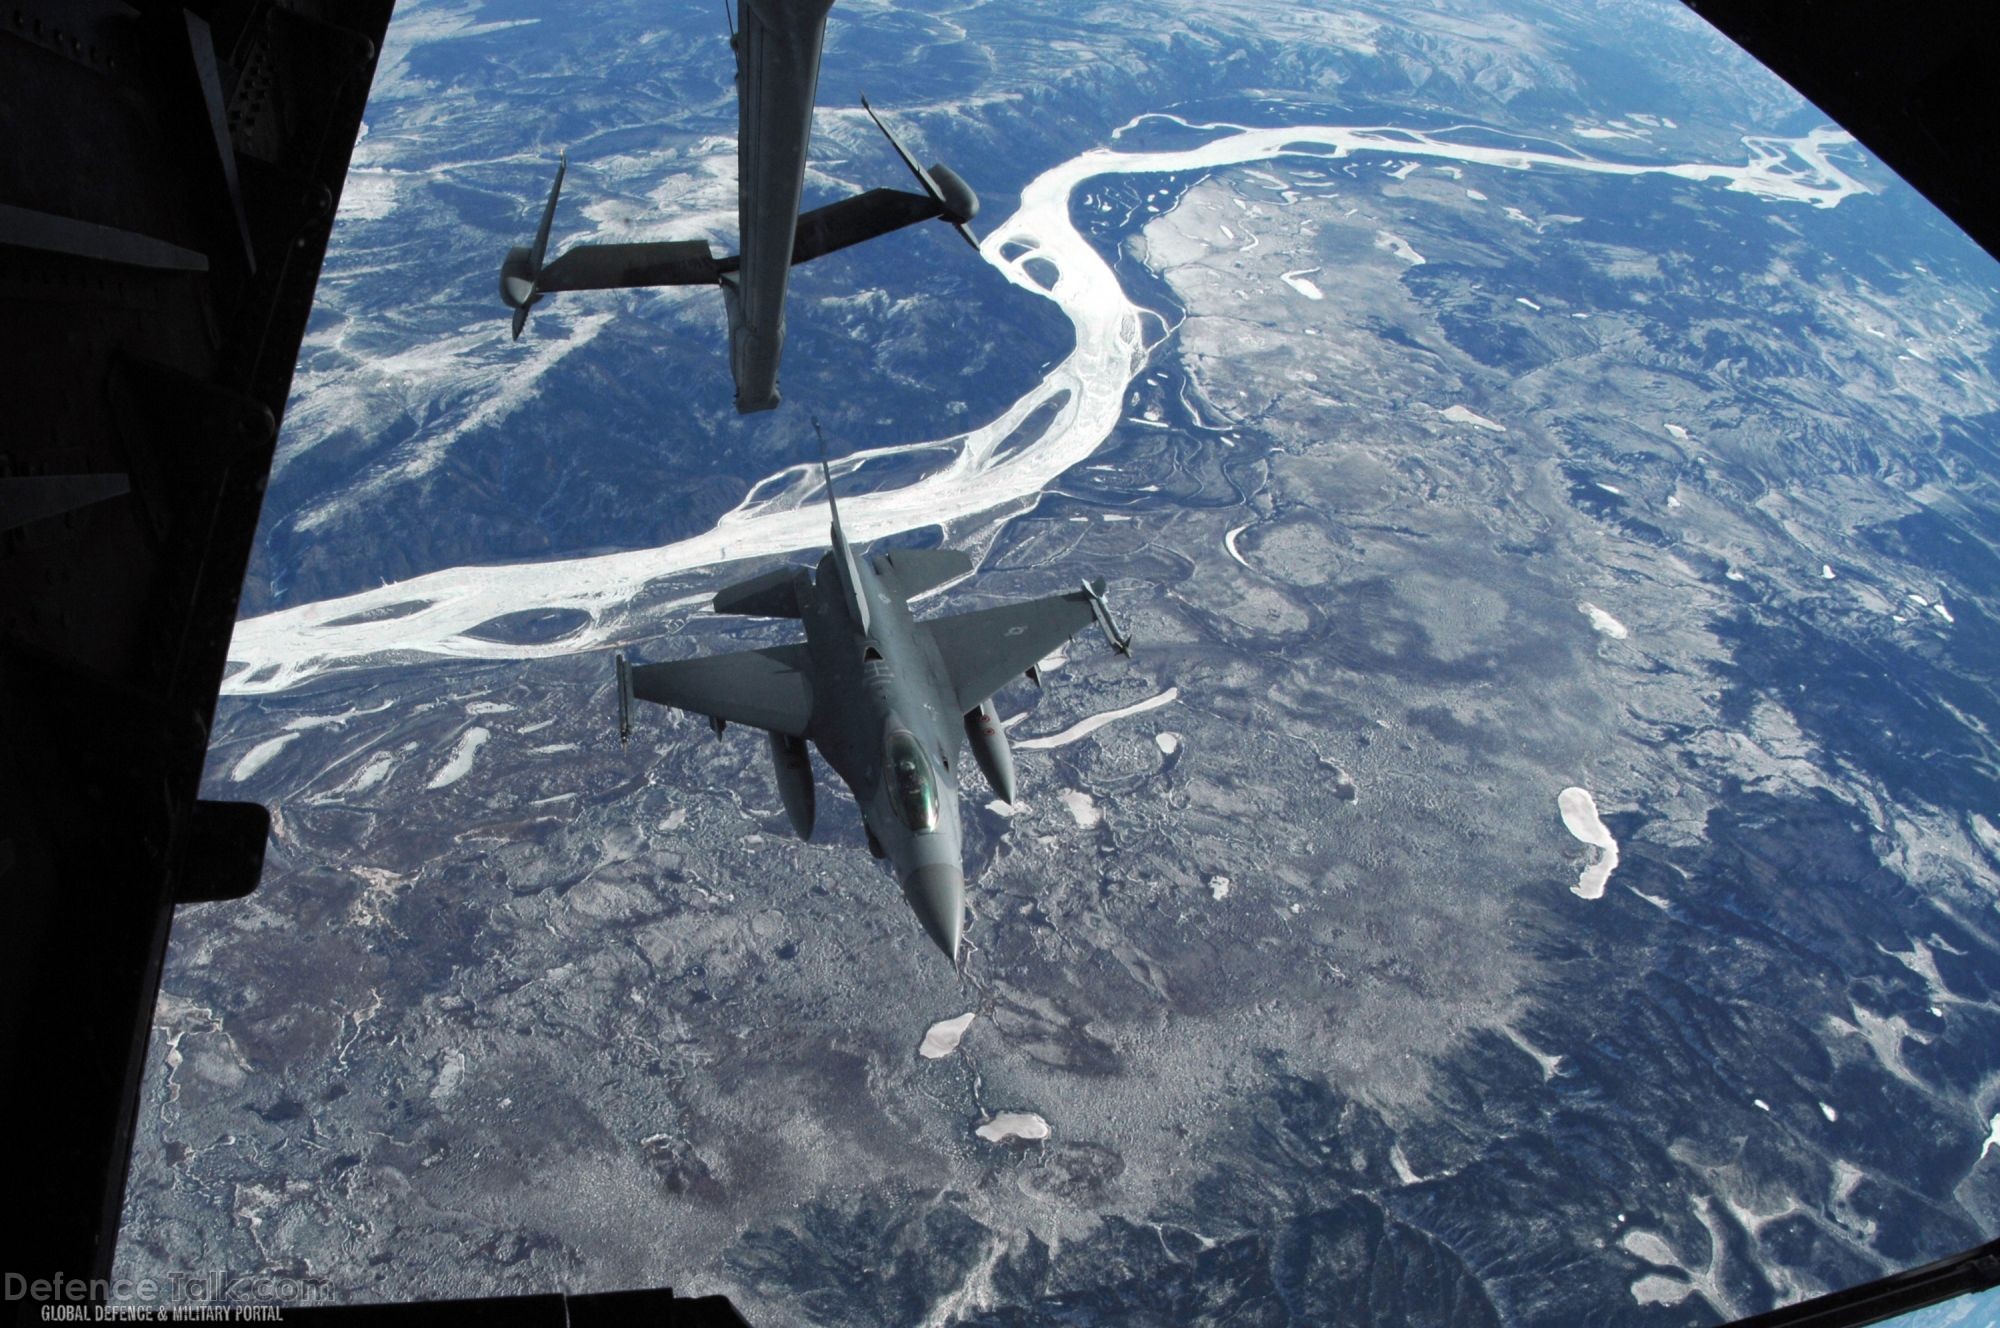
<point>912,783</point>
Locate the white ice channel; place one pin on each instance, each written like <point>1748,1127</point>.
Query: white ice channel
<point>1083,728</point>
<point>282,650</point>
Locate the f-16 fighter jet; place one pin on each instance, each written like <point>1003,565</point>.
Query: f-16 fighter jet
<point>888,700</point>
<point>777,73</point>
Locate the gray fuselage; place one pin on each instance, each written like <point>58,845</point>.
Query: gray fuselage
<point>870,687</point>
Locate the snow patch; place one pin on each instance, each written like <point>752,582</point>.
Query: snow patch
<point>1013,1125</point>
<point>1602,621</point>
<point>1656,1289</point>
<point>451,1072</point>
<point>1460,415</point>
<point>1297,281</point>
<point>378,768</point>
<point>943,1037</point>
<point>1550,1064</point>
<point>460,763</point>
<point>368,195</point>
<point>1579,814</point>
<point>1398,246</point>
<point>1082,808</point>
<point>260,756</point>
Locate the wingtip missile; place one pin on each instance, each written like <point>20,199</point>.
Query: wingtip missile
<point>1118,638</point>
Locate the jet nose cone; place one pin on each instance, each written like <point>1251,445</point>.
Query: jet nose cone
<point>937,894</point>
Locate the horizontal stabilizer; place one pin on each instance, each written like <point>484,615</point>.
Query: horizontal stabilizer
<point>913,571</point>
<point>541,248</point>
<point>621,266</point>
<point>772,595</point>
<point>954,198</point>
<point>862,217</point>
<point>768,689</point>
<point>521,270</point>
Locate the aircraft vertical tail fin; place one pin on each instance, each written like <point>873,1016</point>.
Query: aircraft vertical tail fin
<point>850,575</point>
<point>826,473</point>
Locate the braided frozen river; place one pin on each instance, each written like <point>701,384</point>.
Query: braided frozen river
<point>985,474</point>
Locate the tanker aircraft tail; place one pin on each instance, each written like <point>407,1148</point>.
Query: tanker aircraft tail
<point>777,73</point>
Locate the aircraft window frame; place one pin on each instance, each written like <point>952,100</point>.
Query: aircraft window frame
<point>912,782</point>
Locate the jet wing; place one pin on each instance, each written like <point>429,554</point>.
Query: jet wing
<point>913,571</point>
<point>764,689</point>
<point>983,650</point>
